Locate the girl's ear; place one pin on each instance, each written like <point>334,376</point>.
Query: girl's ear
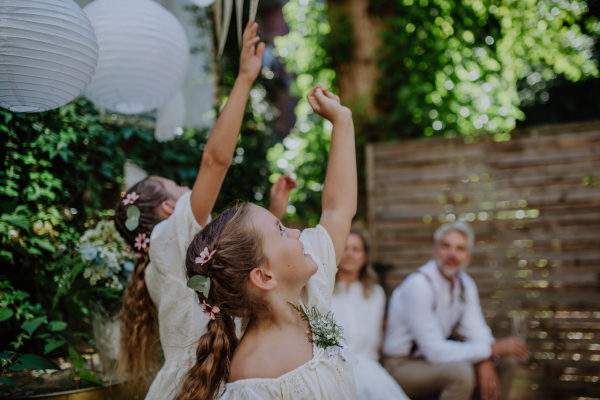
<point>262,279</point>
<point>168,207</point>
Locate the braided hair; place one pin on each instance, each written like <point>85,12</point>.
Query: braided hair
<point>138,352</point>
<point>238,250</point>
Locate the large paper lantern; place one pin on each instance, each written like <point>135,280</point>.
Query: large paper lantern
<point>144,55</point>
<point>48,53</point>
<point>170,118</point>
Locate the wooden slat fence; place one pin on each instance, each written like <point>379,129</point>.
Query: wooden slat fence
<point>534,203</point>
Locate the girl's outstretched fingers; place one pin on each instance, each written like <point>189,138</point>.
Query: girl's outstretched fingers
<point>331,96</point>
<point>251,56</point>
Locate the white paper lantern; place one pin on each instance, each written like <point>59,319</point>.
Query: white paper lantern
<point>144,55</point>
<point>48,53</point>
<point>170,118</point>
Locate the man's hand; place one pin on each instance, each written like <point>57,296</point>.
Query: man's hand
<point>511,346</point>
<point>279,195</point>
<point>488,380</point>
<point>327,104</point>
<point>251,56</point>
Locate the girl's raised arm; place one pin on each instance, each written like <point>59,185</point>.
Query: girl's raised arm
<point>223,138</point>
<point>340,189</point>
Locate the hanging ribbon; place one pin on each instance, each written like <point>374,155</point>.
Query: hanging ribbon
<point>253,9</point>
<point>218,9</point>
<point>239,11</point>
<point>225,28</point>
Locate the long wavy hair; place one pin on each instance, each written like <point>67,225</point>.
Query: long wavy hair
<point>138,353</point>
<point>239,249</point>
<point>367,276</point>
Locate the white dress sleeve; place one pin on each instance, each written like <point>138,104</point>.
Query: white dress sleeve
<point>170,239</point>
<point>180,318</point>
<point>319,289</point>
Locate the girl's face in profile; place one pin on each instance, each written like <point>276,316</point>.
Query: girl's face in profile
<point>287,263</point>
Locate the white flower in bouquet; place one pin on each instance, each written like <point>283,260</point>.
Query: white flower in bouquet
<point>106,254</point>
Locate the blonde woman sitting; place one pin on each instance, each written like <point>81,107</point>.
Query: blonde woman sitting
<point>359,306</point>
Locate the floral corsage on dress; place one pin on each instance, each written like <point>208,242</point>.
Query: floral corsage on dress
<point>326,334</point>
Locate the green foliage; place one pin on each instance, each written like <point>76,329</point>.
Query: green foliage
<point>17,310</point>
<point>304,153</point>
<point>88,379</point>
<point>455,67</point>
<point>446,67</point>
<point>339,43</point>
<point>62,173</point>
<point>324,331</point>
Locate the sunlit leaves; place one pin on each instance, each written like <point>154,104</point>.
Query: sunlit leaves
<point>303,154</point>
<point>464,60</point>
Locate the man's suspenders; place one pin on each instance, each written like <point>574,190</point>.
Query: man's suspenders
<point>414,346</point>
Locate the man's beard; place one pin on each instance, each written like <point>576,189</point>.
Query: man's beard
<point>450,272</point>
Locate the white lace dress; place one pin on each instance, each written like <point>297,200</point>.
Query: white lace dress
<point>320,378</point>
<point>180,318</point>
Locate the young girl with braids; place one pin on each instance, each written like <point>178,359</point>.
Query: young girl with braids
<point>159,219</point>
<point>246,264</point>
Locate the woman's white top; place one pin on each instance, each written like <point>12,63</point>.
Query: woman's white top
<point>180,318</point>
<point>318,379</point>
<point>362,320</point>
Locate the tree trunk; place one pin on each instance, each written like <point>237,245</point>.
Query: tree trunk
<point>358,77</point>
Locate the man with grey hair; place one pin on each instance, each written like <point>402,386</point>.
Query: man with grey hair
<point>431,305</point>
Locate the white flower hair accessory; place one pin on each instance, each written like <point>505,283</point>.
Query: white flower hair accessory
<point>130,198</point>
<point>205,256</point>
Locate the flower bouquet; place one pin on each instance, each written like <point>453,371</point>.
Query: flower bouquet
<point>108,259</point>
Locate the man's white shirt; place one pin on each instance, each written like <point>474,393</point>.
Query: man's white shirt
<point>424,310</point>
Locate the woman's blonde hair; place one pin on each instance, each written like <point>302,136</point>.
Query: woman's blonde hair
<point>367,276</point>
<point>238,250</point>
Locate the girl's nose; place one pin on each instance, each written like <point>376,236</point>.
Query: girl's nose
<point>295,233</point>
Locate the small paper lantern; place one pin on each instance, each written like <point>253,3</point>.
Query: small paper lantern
<point>144,55</point>
<point>170,118</point>
<point>48,54</point>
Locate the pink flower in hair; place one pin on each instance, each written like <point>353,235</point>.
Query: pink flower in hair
<point>130,198</point>
<point>141,241</point>
<point>209,311</point>
<point>205,256</point>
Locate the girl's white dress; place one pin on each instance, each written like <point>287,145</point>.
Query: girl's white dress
<point>362,320</point>
<point>318,379</point>
<point>180,318</point>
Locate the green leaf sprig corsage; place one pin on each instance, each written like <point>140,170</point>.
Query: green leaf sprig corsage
<point>326,333</point>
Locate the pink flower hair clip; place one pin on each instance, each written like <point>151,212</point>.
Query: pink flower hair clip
<point>209,311</point>
<point>205,256</point>
<point>141,242</point>
<point>130,198</point>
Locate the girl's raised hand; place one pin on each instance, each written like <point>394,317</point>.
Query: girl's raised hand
<point>251,56</point>
<point>327,104</point>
